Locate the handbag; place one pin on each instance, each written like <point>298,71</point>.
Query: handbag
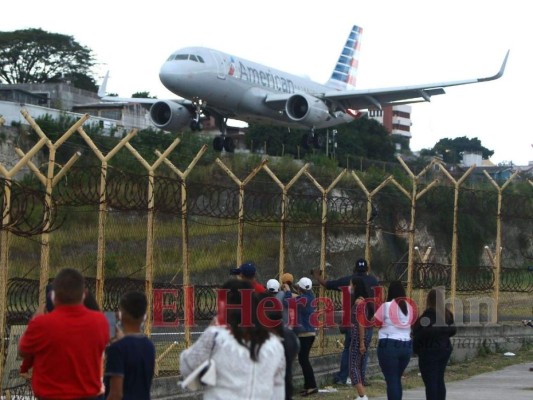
<point>203,375</point>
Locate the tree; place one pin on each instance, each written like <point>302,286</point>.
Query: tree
<point>452,149</point>
<point>143,95</point>
<point>37,56</point>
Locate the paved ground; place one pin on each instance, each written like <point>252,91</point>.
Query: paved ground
<point>513,383</point>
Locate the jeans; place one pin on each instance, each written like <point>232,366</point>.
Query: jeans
<point>432,365</point>
<point>344,371</point>
<point>306,342</point>
<point>393,357</point>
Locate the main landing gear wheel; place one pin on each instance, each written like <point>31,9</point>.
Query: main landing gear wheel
<point>319,141</point>
<point>218,143</point>
<point>229,144</point>
<point>223,142</point>
<point>313,140</point>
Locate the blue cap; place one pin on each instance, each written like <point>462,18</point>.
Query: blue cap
<point>361,265</point>
<point>247,269</point>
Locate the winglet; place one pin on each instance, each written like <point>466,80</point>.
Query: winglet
<point>500,72</point>
<point>102,88</point>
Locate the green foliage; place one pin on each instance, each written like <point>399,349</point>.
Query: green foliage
<point>452,150</point>
<point>143,95</point>
<point>37,56</point>
<point>362,138</point>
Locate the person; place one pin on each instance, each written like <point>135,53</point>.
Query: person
<point>361,334</point>
<point>304,329</point>
<point>431,341</point>
<point>291,343</point>
<point>67,345</point>
<point>247,272</point>
<point>130,360</point>
<point>361,270</point>
<point>90,302</point>
<point>249,359</point>
<point>394,319</point>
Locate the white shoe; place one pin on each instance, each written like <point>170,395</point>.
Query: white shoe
<point>362,398</point>
<point>348,381</point>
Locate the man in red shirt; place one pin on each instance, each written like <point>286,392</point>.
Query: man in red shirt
<point>247,273</point>
<point>67,344</point>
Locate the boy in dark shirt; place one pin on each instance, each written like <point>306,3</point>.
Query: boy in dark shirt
<point>130,361</point>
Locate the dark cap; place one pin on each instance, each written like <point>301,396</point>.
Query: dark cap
<point>361,265</point>
<point>247,270</point>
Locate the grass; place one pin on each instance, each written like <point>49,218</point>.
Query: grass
<point>454,372</point>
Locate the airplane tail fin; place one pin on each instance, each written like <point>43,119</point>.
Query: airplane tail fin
<point>344,74</point>
<point>103,86</point>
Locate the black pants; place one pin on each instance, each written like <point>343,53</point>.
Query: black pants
<point>432,365</point>
<point>306,342</point>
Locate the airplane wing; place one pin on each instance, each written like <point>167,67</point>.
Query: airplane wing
<point>376,98</point>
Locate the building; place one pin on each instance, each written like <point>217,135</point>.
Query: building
<point>395,119</point>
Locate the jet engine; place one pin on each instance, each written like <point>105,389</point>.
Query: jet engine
<point>170,116</point>
<point>307,110</point>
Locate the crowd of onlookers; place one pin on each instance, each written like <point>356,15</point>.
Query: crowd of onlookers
<point>250,347</point>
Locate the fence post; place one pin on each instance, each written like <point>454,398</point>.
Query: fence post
<point>413,196</point>
<point>49,181</point>
<point>284,200</point>
<point>323,241</point>
<point>369,196</point>
<point>457,185</point>
<point>241,184</point>
<point>102,207</point>
<point>497,257</point>
<point>150,226</point>
<point>4,244</point>
<point>188,302</point>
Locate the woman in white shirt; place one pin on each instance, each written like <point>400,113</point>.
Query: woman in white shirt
<point>394,319</point>
<point>249,359</point>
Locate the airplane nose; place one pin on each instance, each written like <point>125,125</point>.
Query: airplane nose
<point>168,74</point>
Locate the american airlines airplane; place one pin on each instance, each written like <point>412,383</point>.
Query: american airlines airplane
<point>213,83</point>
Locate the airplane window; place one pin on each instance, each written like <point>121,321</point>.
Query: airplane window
<point>181,57</point>
<point>192,57</point>
<point>201,59</point>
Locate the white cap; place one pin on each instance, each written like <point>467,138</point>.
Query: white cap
<point>305,283</point>
<point>273,285</point>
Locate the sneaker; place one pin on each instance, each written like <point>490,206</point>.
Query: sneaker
<point>361,398</point>
<point>348,381</point>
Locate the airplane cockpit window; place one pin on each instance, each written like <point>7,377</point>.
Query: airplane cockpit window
<point>181,57</point>
<point>185,57</point>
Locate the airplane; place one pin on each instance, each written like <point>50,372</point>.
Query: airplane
<point>221,85</point>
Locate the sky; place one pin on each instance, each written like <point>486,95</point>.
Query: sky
<point>403,43</point>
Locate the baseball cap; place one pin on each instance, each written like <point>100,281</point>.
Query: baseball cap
<point>361,265</point>
<point>247,269</point>
<point>286,277</point>
<point>305,283</point>
<point>273,286</point>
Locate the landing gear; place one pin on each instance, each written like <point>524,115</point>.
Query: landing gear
<point>313,139</point>
<point>196,125</point>
<point>223,141</point>
<point>196,122</point>
<point>218,143</point>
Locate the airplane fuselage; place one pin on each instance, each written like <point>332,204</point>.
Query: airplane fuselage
<point>237,88</point>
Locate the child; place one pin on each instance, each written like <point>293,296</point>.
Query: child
<point>130,360</point>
